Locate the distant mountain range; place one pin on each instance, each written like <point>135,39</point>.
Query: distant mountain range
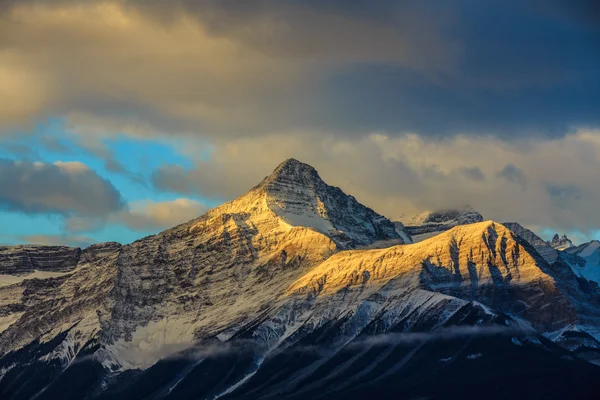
<point>297,291</point>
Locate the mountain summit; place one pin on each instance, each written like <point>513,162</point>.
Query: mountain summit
<point>294,171</point>
<point>296,193</point>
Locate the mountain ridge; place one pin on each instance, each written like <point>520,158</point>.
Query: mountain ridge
<point>276,294</point>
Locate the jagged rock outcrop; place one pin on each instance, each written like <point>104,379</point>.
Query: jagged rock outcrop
<point>560,243</point>
<point>428,224</point>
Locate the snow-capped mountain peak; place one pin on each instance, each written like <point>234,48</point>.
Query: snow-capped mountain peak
<point>296,193</point>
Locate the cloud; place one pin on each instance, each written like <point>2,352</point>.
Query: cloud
<point>62,188</point>
<point>142,216</point>
<point>564,195</point>
<point>130,64</point>
<point>398,175</point>
<point>407,105</point>
<point>59,240</point>
<point>472,173</point>
<point>512,173</point>
<point>214,68</point>
<point>149,215</point>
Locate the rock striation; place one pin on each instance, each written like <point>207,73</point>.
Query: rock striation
<point>26,259</point>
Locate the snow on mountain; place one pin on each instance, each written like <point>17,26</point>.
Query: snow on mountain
<point>239,255</point>
<point>431,223</point>
<point>590,253</point>
<point>284,293</point>
<point>472,262</point>
<point>561,243</point>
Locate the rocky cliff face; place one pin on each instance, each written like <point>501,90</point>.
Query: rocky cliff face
<point>24,260</point>
<point>278,294</point>
<point>561,243</point>
<point>41,308</point>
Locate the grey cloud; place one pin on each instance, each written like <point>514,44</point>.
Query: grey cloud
<point>62,188</point>
<point>513,174</point>
<point>216,68</point>
<point>99,149</point>
<point>55,145</point>
<point>564,195</point>
<point>22,151</point>
<point>235,60</point>
<point>473,173</point>
<point>174,178</point>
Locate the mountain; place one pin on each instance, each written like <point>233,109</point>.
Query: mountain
<point>297,195</point>
<point>431,223</point>
<point>561,243</point>
<point>590,253</point>
<point>544,249</point>
<point>287,293</point>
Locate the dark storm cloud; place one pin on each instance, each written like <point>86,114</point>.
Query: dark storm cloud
<point>62,188</point>
<point>251,68</point>
<point>521,69</point>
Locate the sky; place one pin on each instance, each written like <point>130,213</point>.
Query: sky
<point>122,118</point>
